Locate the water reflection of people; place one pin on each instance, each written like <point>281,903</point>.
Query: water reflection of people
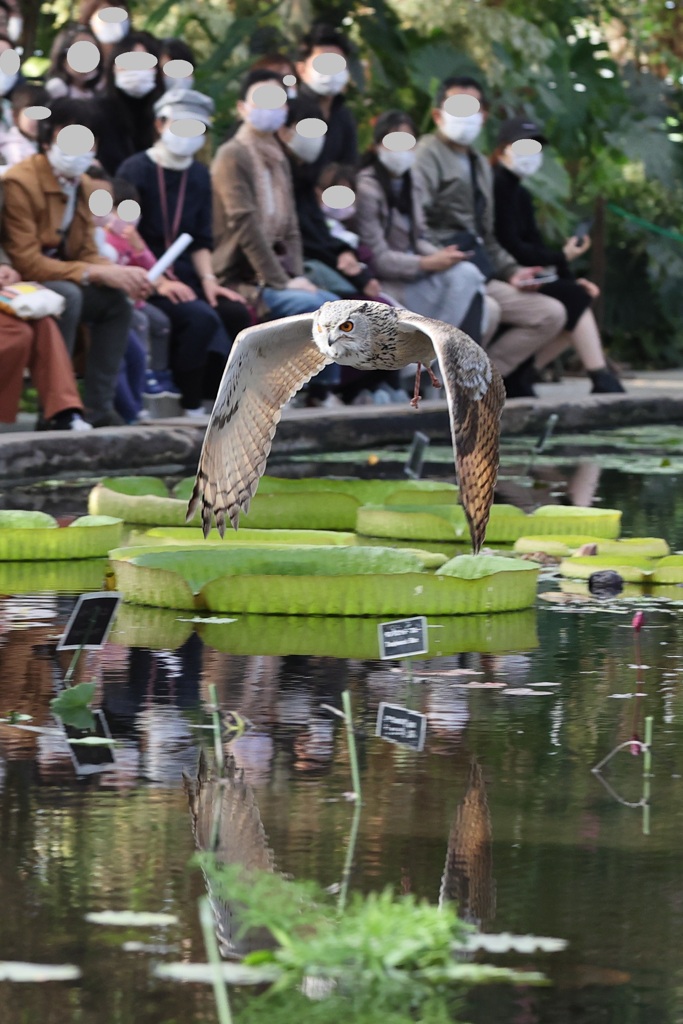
<point>468,872</point>
<point>551,485</point>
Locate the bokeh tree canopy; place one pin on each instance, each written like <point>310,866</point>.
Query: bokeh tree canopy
<point>603,77</point>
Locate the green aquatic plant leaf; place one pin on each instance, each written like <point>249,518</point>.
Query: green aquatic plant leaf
<point>632,568</point>
<point>183,536</point>
<point>476,567</point>
<point>21,519</point>
<point>71,706</point>
<point>136,486</point>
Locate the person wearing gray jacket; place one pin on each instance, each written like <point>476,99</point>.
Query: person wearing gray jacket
<point>457,193</point>
<point>434,281</point>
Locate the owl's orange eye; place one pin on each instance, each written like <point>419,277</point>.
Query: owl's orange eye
<point>346,326</point>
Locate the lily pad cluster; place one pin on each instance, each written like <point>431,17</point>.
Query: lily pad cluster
<point>318,504</point>
<point>642,560</point>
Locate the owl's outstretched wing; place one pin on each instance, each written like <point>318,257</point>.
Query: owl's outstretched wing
<point>476,395</point>
<point>268,364</point>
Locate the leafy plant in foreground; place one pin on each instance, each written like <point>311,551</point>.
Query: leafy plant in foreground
<point>386,952</point>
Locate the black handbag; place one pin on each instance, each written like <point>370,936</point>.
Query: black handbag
<point>466,241</point>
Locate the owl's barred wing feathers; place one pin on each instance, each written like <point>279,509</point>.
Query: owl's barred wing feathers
<point>476,395</point>
<point>268,364</point>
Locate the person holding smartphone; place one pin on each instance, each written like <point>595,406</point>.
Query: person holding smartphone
<point>517,231</point>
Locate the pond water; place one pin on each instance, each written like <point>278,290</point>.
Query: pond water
<point>500,810</point>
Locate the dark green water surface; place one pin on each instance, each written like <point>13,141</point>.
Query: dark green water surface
<point>500,809</point>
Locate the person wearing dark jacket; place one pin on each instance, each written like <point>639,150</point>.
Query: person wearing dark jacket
<point>517,231</point>
<point>326,89</point>
<point>125,113</point>
<point>319,244</point>
<point>175,198</point>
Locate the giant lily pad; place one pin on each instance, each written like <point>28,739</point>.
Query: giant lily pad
<point>36,537</point>
<point>506,524</point>
<point>312,504</point>
<point>632,569</point>
<point>321,581</point>
<point>253,538</point>
<point>650,547</point>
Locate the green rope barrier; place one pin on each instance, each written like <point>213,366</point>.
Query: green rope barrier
<point>648,225</point>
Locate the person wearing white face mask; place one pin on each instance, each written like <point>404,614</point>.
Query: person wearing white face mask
<point>108,33</point>
<point>49,237</point>
<point>61,78</point>
<point>518,156</point>
<point>457,188</point>
<point>326,90</point>
<point>435,281</point>
<point>258,242</point>
<point>125,110</point>
<point>329,261</point>
<point>175,199</point>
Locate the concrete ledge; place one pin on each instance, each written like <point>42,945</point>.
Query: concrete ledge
<point>172,446</point>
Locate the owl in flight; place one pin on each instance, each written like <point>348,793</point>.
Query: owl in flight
<point>269,363</point>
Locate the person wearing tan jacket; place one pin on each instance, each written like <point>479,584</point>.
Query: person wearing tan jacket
<point>48,232</point>
<point>256,232</point>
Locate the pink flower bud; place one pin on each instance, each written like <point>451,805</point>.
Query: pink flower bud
<point>638,620</point>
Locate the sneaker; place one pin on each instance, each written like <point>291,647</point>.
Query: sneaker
<point>167,384</point>
<point>79,424</point>
<point>397,396</point>
<point>142,416</point>
<point>605,382</point>
<point>67,419</point>
<point>363,397</point>
<point>520,382</point>
<point>152,384</point>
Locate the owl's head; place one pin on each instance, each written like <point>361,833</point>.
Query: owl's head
<point>348,329</point>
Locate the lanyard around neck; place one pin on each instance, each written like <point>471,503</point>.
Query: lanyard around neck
<point>170,234</point>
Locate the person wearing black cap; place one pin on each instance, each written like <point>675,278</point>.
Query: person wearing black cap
<point>517,231</point>
<point>456,183</point>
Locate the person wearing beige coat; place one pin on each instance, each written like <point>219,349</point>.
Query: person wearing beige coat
<point>435,282</point>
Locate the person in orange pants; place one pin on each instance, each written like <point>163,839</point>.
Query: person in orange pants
<point>38,345</point>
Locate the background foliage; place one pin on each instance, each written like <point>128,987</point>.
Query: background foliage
<point>602,76</point>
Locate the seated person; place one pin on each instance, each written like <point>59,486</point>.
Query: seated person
<point>48,232</point>
<point>258,242</point>
<point>107,33</point>
<point>125,109</point>
<point>517,231</point>
<point>340,143</point>
<point>319,244</point>
<point>11,20</point>
<point>176,49</point>
<point>120,241</point>
<point>434,281</point>
<point>7,84</point>
<point>21,140</point>
<point>175,198</point>
<point>457,190</point>
<point>61,79</point>
<point>36,345</point>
